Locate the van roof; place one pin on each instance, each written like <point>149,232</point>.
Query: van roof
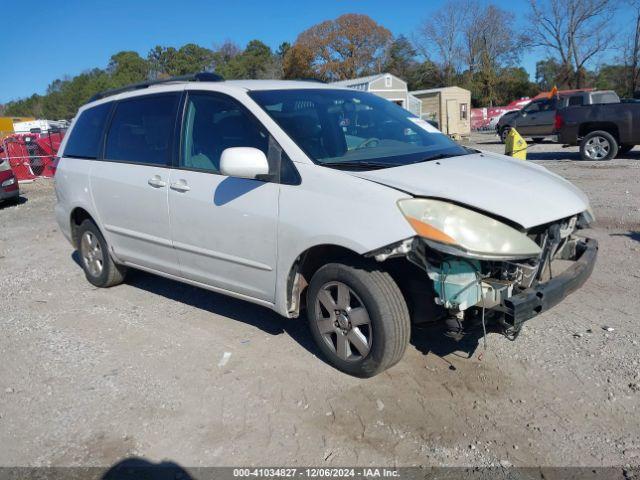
<point>208,78</point>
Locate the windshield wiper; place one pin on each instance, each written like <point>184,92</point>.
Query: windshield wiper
<point>440,156</point>
<point>359,165</point>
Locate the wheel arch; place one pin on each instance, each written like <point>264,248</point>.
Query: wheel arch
<point>609,127</point>
<point>77,216</point>
<point>306,264</point>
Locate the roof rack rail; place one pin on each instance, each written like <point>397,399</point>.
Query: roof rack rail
<point>192,77</point>
<point>310,79</point>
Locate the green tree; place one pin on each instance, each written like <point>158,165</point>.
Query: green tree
<point>613,77</point>
<point>256,61</point>
<point>426,75</point>
<point>160,60</point>
<point>168,62</point>
<point>283,48</point>
<point>400,59</point>
<point>190,58</point>
<point>28,107</point>
<point>513,83</point>
<point>548,74</point>
<point>127,67</point>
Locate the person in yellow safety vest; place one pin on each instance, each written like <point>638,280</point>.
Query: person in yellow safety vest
<point>515,146</point>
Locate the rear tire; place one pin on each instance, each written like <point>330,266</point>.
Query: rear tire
<point>358,318</point>
<point>98,266</point>
<point>598,145</point>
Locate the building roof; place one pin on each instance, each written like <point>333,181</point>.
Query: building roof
<point>361,80</point>
<point>436,90</point>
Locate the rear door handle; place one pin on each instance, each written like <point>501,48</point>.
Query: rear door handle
<point>180,186</point>
<point>156,182</point>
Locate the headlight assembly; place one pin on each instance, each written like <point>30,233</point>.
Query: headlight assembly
<point>454,229</point>
<point>9,182</point>
<point>586,218</point>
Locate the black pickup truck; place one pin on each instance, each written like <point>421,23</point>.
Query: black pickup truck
<point>602,131</point>
<point>535,120</point>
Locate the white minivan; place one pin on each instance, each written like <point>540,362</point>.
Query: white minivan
<point>304,197</point>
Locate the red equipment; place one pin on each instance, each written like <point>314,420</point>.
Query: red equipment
<point>14,149</point>
<point>31,155</point>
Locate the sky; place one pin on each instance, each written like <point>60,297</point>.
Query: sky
<point>62,38</point>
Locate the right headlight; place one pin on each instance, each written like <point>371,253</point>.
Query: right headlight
<point>449,227</point>
<point>586,218</point>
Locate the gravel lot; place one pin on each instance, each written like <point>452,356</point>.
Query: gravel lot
<point>91,376</point>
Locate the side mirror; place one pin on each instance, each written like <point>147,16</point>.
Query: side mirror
<point>243,162</point>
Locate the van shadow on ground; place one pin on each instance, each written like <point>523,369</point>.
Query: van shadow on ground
<point>428,339</point>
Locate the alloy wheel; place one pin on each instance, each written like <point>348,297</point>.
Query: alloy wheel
<point>597,148</point>
<point>343,321</point>
<point>92,254</point>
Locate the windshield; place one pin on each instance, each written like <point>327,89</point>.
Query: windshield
<point>344,128</point>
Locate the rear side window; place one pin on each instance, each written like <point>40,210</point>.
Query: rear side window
<point>84,140</point>
<point>575,100</point>
<point>142,130</point>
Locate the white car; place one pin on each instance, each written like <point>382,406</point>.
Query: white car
<point>304,197</point>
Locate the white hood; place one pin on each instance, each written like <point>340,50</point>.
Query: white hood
<point>522,192</point>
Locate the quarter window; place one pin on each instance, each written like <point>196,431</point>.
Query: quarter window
<point>142,129</point>
<point>84,140</point>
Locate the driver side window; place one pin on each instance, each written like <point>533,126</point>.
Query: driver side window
<point>532,107</point>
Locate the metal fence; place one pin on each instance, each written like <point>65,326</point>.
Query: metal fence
<point>31,155</point>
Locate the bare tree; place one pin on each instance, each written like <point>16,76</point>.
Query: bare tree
<point>442,33</point>
<point>472,42</point>
<point>489,37</point>
<point>490,44</point>
<point>631,51</point>
<point>575,31</point>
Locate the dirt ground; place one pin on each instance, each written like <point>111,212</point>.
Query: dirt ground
<point>91,376</point>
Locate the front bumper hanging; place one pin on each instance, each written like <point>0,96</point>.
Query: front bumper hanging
<point>532,301</point>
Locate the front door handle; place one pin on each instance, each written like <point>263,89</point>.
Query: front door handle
<point>180,186</point>
<point>156,182</point>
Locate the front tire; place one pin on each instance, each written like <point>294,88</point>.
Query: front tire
<point>503,134</point>
<point>98,266</point>
<point>598,145</point>
<point>358,318</point>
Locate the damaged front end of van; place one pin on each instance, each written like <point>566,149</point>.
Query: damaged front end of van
<point>488,269</point>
